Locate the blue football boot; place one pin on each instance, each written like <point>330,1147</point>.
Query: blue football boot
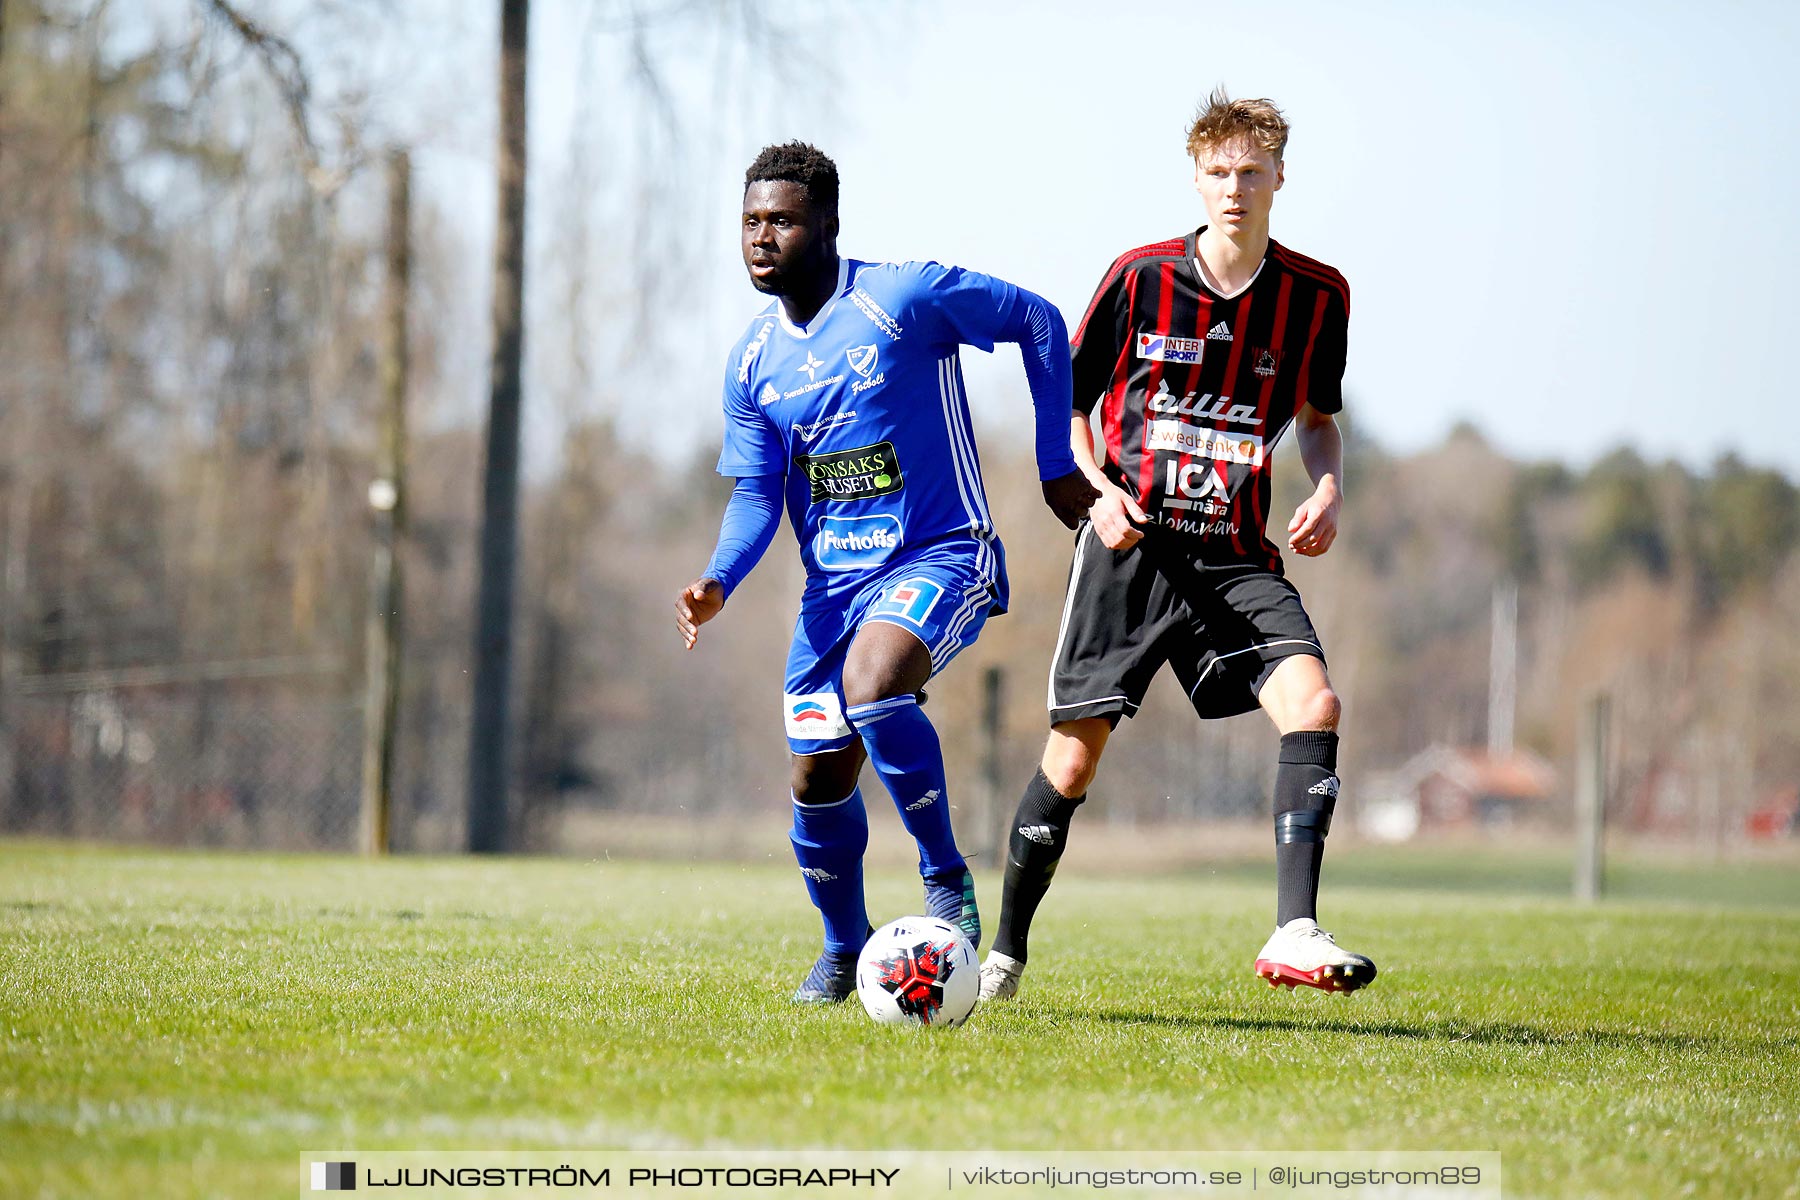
<point>832,979</point>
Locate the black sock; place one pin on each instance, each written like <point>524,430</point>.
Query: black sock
<point>1306,788</point>
<point>1040,831</point>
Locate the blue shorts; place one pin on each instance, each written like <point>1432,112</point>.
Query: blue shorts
<point>943,596</point>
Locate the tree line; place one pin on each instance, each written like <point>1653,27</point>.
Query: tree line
<point>190,300</point>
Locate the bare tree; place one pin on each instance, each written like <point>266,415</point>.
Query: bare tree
<point>489,735</point>
<point>2,76</point>
<point>387,498</point>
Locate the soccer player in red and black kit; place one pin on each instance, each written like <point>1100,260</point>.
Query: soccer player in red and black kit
<point>1200,352</point>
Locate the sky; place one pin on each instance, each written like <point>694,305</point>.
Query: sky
<point>1568,224</point>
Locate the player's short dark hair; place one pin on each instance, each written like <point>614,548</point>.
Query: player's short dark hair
<point>798,162</point>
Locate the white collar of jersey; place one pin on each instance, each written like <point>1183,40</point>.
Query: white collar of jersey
<point>1212,285</point>
<point>843,285</point>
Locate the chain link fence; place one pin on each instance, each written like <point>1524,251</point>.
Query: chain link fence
<point>230,764</point>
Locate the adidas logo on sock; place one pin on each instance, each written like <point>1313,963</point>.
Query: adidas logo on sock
<point>925,801</point>
<point>1327,786</point>
<point>818,874</point>
<point>1219,333</point>
<point>1041,834</point>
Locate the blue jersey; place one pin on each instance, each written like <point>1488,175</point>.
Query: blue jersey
<point>862,413</point>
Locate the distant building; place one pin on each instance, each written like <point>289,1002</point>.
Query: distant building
<point>1457,788</point>
<point>1778,816</point>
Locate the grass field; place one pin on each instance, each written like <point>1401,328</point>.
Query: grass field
<point>185,1024</point>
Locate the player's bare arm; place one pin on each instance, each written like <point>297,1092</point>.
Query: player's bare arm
<point>1115,515</point>
<point>1069,496</point>
<point>1315,523</point>
<point>695,605</point>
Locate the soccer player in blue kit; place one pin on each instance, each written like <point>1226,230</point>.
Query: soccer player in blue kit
<point>844,404</point>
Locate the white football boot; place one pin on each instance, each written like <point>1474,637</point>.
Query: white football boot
<point>1301,954</point>
<point>1000,976</point>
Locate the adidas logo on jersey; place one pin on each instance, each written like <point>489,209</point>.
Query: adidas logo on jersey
<point>769,395</point>
<point>1219,333</point>
<point>818,874</point>
<point>925,801</point>
<point>1041,834</point>
<point>1327,786</point>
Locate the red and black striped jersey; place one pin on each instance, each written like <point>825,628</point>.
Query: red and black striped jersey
<point>1195,389</point>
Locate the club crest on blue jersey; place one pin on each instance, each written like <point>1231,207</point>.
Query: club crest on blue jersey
<point>911,600</point>
<point>856,543</point>
<point>861,359</point>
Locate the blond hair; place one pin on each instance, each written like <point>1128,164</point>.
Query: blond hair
<point>1222,120</point>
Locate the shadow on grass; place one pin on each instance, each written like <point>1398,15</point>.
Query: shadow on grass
<point>1501,1033</point>
<point>1522,876</point>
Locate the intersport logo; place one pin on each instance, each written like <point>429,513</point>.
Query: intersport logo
<point>1160,347</point>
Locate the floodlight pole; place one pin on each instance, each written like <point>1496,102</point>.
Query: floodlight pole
<point>1590,801</point>
<point>387,501</point>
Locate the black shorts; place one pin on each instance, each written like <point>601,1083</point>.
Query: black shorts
<point>1127,612</point>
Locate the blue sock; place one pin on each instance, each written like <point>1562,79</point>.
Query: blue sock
<point>904,748</point>
<point>829,840</point>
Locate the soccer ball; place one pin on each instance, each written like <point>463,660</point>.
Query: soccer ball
<point>918,971</point>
